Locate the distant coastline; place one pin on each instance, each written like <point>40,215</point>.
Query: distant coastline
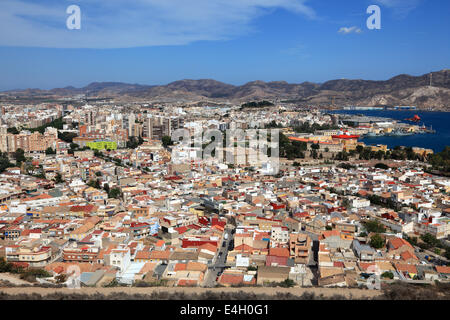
<point>439,120</point>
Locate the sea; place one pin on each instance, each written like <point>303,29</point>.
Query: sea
<point>440,121</point>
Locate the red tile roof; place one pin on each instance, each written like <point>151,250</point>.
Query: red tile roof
<point>399,242</point>
<point>180,267</point>
<point>406,255</point>
<point>279,252</point>
<point>443,269</point>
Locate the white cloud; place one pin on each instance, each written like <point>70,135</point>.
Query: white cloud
<point>348,30</point>
<point>134,23</point>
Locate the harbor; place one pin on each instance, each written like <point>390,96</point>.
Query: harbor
<point>400,128</point>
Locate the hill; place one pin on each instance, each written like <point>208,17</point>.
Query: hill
<point>399,90</point>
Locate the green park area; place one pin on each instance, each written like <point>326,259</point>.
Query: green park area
<point>102,145</point>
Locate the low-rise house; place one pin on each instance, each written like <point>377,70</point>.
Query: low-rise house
<point>36,256</point>
<point>272,274</point>
<point>80,254</point>
<point>427,272</point>
<point>159,256</point>
<point>443,271</point>
<point>90,279</point>
<point>300,247</point>
<point>336,239</point>
<point>363,251</point>
<point>397,246</point>
<point>237,278</point>
<point>408,271</point>
<point>277,257</point>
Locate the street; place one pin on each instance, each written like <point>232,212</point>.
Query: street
<point>219,262</point>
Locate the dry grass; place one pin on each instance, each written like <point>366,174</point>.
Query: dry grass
<point>159,293</point>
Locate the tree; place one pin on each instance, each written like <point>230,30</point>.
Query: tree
<point>94,184</point>
<point>273,124</point>
<point>376,242</point>
<point>114,193</point>
<point>74,146</point>
<point>97,153</point>
<point>134,142</point>
<point>167,141</point>
<point>381,166</point>
<point>441,161</point>
<point>57,123</point>
<point>61,278</point>
<point>49,150</point>
<point>343,156</point>
<point>13,130</point>
<point>363,234</point>
<point>374,226</point>
<point>288,283</point>
<point>58,178</point>
<point>387,274</point>
<point>260,104</point>
<point>411,240</point>
<point>19,155</point>
<point>4,162</point>
<point>67,136</point>
<point>447,253</point>
<point>380,155</point>
<point>305,127</point>
<point>430,239</point>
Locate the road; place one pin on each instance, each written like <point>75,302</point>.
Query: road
<point>217,267</point>
<point>435,259</point>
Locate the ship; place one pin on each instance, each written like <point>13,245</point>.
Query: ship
<point>424,129</point>
<point>345,136</point>
<point>372,135</point>
<point>400,133</point>
<point>416,118</point>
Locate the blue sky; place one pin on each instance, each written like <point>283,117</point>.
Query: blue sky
<point>235,41</point>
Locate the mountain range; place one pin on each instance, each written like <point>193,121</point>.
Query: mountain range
<point>400,90</point>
